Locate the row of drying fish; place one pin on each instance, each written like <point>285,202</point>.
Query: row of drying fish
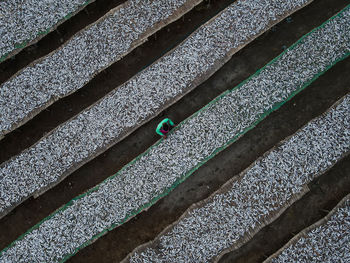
<point>326,241</point>
<point>23,21</point>
<point>170,161</point>
<point>142,97</point>
<point>227,219</point>
<point>70,67</point>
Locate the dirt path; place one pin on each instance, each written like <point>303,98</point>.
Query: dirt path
<point>116,244</point>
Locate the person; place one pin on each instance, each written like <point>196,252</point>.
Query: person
<point>164,127</point>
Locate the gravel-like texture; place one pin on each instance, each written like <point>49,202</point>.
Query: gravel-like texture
<point>88,52</point>
<point>22,21</point>
<point>326,241</point>
<point>245,205</point>
<point>123,110</point>
<point>192,143</point>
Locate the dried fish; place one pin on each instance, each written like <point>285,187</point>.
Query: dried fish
<point>139,99</point>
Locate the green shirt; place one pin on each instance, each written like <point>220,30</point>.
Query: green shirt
<point>160,125</point>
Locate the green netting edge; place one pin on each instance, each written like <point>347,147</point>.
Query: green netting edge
<point>44,32</point>
<point>183,178</point>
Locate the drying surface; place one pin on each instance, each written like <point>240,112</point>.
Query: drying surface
<point>92,131</point>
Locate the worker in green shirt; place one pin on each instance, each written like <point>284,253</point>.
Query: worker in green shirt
<point>164,127</point>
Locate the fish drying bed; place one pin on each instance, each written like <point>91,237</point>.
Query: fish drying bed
<point>136,187</point>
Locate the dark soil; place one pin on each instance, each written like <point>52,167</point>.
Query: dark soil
<point>117,243</point>
<point>110,78</point>
<point>326,192</point>
<point>56,38</point>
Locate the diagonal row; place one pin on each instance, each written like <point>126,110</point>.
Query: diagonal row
<point>243,206</point>
<point>21,22</point>
<point>156,172</point>
<point>94,130</point>
<point>88,52</point>
<point>69,68</point>
<point>326,241</point>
